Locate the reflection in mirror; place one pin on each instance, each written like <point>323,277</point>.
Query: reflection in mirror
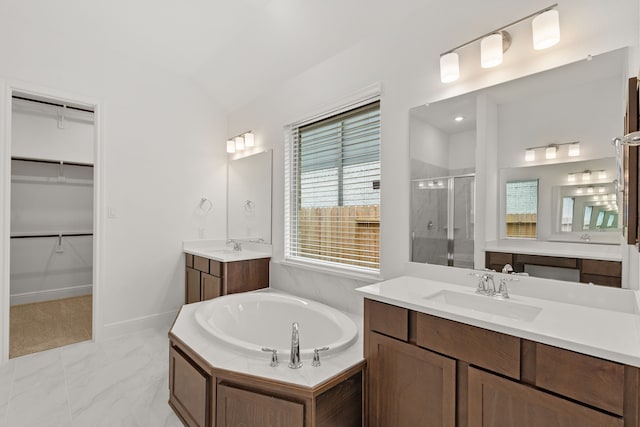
<point>249,198</point>
<point>443,188</point>
<point>522,208</point>
<point>553,129</point>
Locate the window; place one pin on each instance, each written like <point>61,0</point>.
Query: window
<point>332,212</point>
<point>566,223</point>
<point>522,208</point>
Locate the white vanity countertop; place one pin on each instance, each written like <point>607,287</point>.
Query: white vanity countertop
<point>558,249</point>
<point>219,251</point>
<point>219,355</point>
<point>598,332</point>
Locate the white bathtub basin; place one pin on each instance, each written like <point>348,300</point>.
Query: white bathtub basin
<point>251,321</point>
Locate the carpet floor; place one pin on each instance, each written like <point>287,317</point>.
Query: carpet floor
<point>45,325</point>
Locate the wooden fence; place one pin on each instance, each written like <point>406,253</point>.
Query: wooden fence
<point>522,225</point>
<point>348,233</point>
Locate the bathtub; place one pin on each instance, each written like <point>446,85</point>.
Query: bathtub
<point>251,321</point>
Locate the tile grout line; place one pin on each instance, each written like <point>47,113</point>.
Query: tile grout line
<point>66,388</point>
<point>13,377</point>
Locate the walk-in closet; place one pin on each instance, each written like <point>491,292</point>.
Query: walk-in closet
<point>52,210</point>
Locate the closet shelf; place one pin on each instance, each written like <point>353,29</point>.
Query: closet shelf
<point>26,235</point>
<point>50,180</point>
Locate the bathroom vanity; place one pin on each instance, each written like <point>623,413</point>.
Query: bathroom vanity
<point>440,355</point>
<point>210,274</point>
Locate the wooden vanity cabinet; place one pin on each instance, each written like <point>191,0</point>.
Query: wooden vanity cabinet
<point>206,279</point>
<point>599,272</point>
<point>429,371</point>
<point>189,388</point>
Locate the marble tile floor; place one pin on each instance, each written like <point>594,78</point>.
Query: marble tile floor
<point>117,382</point>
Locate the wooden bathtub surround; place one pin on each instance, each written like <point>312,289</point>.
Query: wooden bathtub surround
<point>205,396</point>
<point>206,279</point>
<point>428,371</point>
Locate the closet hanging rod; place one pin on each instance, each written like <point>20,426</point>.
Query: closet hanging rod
<point>55,104</point>
<point>26,236</point>
<point>53,162</point>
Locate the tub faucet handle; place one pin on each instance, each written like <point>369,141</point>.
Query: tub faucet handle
<point>274,356</point>
<point>316,355</point>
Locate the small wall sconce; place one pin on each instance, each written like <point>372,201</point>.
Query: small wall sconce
<point>551,151</point>
<point>240,142</point>
<point>546,33</point>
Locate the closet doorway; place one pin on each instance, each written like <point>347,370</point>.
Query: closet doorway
<point>51,268</point>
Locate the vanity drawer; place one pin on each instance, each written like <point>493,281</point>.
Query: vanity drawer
<point>215,268</point>
<point>387,319</point>
<point>188,260</point>
<point>201,264</point>
<point>486,349</point>
<point>587,379</point>
<point>601,268</point>
<point>499,258</point>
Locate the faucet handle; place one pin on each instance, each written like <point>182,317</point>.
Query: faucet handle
<point>503,292</point>
<point>274,356</point>
<point>316,355</point>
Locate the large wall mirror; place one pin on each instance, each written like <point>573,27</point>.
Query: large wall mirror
<point>526,166</point>
<point>249,198</point>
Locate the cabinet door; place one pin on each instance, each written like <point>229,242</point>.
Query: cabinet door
<point>188,390</point>
<point>210,286</point>
<point>410,386</point>
<point>192,286</point>
<point>498,402</point>
<point>236,407</point>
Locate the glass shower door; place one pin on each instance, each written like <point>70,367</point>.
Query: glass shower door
<point>443,221</point>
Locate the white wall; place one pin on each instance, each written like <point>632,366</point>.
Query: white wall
<point>406,63</point>
<point>162,151</point>
<point>462,150</point>
<point>429,144</point>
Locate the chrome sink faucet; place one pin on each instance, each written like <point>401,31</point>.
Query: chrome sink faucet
<point>483,285</point>
<point>237,245</point>
<point>294,360</point>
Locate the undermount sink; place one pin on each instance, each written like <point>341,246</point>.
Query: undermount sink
<point>485,304</point>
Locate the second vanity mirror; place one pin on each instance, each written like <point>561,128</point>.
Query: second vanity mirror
<point>249,198</point>
<point>526,166</point>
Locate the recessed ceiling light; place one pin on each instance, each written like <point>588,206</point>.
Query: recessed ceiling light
<point>458,118</point>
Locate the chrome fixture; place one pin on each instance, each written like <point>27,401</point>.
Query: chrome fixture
<point>294,360</point>
<point>545,27</point>
<point>551,151</point>
<point>507,269</point>
<point>316,356</point>
<point>503,292</point>
<point>240,142</point>
<point>237,245</point>
<point>483,285</point>
<point>274,356</point>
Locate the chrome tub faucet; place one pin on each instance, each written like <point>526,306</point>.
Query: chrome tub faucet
<point>294,360</point>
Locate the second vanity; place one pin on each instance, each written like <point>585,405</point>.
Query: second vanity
<point>213,270</point>
<point>439,354</point>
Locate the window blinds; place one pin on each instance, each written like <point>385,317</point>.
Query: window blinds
<point>332,210</point>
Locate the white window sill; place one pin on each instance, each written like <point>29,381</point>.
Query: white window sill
<point>348,273</point>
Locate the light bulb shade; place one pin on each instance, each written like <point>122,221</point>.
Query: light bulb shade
<point>579,191</point>
<point>590,190</point>
<point>248,139</point>
<point>239,143</point>
<point>550,152</point>
<point>546,29</point>
<point>491,50</point>
<point>231,146</point>
<point>602,175</point>
<point>574,149</point>
<point>571,177</point>
<point>600,189</point>
<point>586,176</point>
<point>530,155</point>
<point>449,67</point>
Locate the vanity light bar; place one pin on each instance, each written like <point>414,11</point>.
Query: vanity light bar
<point>586,176</point>
<point>551,151</point>
<point>240,142</point>
<point>546,33</point>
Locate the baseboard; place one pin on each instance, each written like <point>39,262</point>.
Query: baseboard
<point>40,296</point>
<point>160,321</point>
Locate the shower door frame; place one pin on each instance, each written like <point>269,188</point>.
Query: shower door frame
<point>7,90</point>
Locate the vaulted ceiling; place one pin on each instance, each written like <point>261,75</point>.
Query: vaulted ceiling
<point>236,49</point>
